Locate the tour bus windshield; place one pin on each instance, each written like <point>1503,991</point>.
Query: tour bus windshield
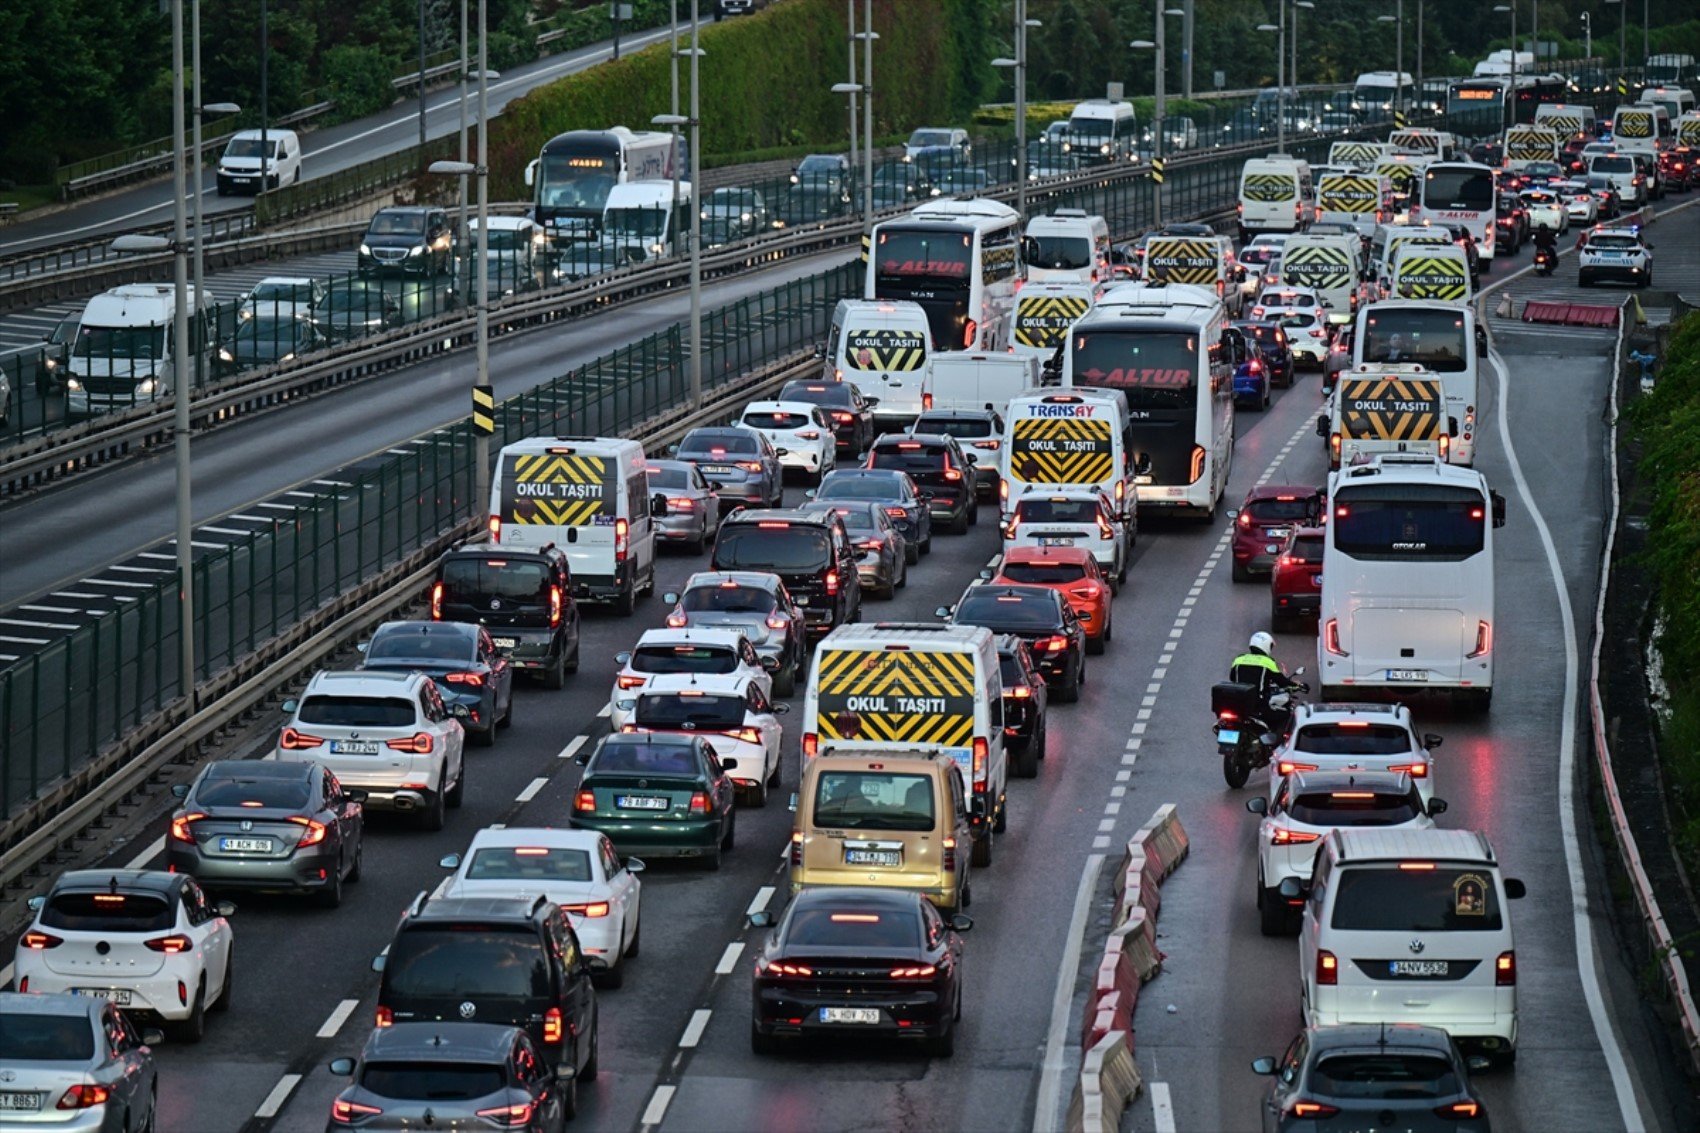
<point>1156,368</point>
<point>577,180</point>
<point>1458,188</point>
<point>1436,339</point>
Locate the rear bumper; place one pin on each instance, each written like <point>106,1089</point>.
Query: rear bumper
<point>688,839</point>
<point>1307,604</point>
<point>603,587</point>
<point>153,996</point>
<point>298,873</point>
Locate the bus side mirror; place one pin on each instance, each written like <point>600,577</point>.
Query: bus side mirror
<point>1498,509</point>
<point>530,174</point>
<point>1142,464</point>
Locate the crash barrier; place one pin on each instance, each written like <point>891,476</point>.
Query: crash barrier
<point>1560,313</point>
<point>1109,1078</point>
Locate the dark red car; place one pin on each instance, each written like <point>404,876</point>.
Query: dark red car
<point>1264,521</point>
<point>1295,585</point>
<point>1677,165</point>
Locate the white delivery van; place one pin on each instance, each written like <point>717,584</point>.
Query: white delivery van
<point>1360,199</point>
<point>1569,119</point>
<point>643,220</point>
<point>589,497</point>
<point>239,166</point>
<point>882,345</point>
<point>1069,246</point>
<point>1437,144</point>
<point>1384,249</point>
<point>126,350</point>
<point>1073,438</point>
<point>1640,128</point>
<point>978,381</point>
<point>1526,144</point>
<point>1043,314</point>
<point>1688,130</point>
<point>1274,194</point>
<point>1102,131</point>
<point>1381,409</point>
<point>1204,261</point>
<point>1330,264</point>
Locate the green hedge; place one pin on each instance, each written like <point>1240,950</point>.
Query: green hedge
<point>766,82</point>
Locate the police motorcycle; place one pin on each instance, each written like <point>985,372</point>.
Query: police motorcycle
<point>1249,725</point>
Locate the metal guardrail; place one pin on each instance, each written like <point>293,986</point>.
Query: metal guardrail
<point>80,254</point>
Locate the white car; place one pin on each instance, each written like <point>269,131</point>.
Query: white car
<point>731,711</point>
<point>1078,517</point>
<point>660,652</point>
<point>514,253</point>
<point>1579,202</point>
<point>1614,253</point>
<point>1355,737</point>
<point>148,940</point>
<point>1285,297</point>
<point>576,869</point>
<point>1305,808</point>
<point>281,297</point>
<point>1546,210</point>
<point>388,734</point>
<point>800,431</point>
<point>1309,334</point>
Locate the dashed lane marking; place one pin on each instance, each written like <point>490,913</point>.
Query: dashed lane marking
<point>1162,1108</point>
<point>531,790</point>
<point>657,1107</point>
<point>1045,1113</point>
<point>760,901</point>
<point>280,1094</point>
<point>572,748</point>
<point>728,958</point>
<point>695,1028</point>
<point>147,854</point>
<point>337,1018</point>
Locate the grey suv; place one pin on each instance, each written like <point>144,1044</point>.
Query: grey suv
<point>740,462</point>
<point>452,1075</point>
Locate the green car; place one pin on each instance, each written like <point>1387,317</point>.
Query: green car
<point>657,796</point>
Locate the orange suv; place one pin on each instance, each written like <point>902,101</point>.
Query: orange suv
<point>1071,572</point>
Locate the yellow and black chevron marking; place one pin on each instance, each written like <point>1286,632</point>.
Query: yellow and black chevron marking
<point>1529,149</point>
<point>1316,267</point>
<point>1269,187</point>
<point>1043,320</point>
<point>1622,85</point>
<point>886,350</point>
<point>1061,450</point>
<point>1157,170</point>
<point>1433,277</point>
<point>1563,123</point>
<point>867,242</point>
<point>1687,132</point>
<point>1181,261</point>
<point>1398,172</point>
<point>1355,151</point>
<point>1348,194</point>
<point>483,410</point>
<point>905,697</point>
<point>1391,409</point>
<point>556,489</point>
<point>1634,125</point>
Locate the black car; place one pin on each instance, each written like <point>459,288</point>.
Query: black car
<point>513,961</point>
<point>407,239</point>
<point>940,468</point>
<point>264,341</point>
<point>1040,617</point>
<point>1511,220</point>
<point>852,414</point>
<point>866,962</point>
<point>461,1075</point>
<point>904,502</point>
<point>979,430</point>
<point>523,597</point>
<point>1025,698</point>
<point>811,553</point>
<point>354,308</point>
<point>55,352</point>
<point>1271,339</point>
<point>1361,1076</point>
<point>464,661</point>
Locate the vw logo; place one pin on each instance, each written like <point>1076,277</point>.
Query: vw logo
<point>468,1009</point>
<point>247,825</point>
<point>1417,946</point>
<point>688,726</point>
<point>495,603</point>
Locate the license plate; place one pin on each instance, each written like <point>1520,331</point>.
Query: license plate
<point>505,642</point>
<point>1056,540</point>
<point>1271,548</point>
<point>246,845</point>
<point>716,469</point>
<point>1419,967</point>
<point>1228,736</point>
<point>17,1101</point>
<point>873,857</point>
<point>640,802</point>
<point>1274,532</point>
<point>800,599</point>
<point>120,996</point>
<point>353,747</point>
<point>1407,674</point>
<point>862,1015</point>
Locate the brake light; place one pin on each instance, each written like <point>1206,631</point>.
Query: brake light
<point>796,847</point>
<point>923,972</point>
<point>894,512</point>
<point>1090,590</point>
<point>348,1112</point>
<point>1458,1111</point>
<point>83,1096</point>
<point>509,1115</point>
<point>1417,770</point>
<point>298,741</point>
<point>495,529</point>
<point>1288,766</point>
<point>699,803</point>
<point>843,418</point>
<point>631,680</point>
<point>1312,1109</point>
<point>744,735</point>
<point>1105,531</point>
<point>1198,455</point>
<point>556,599</point>
<point>553,1026</point>
<point>926,401</point>
<point>1505,970</point>
<point>969,330</point>
<point>872,544</point>
<point>313,834</point>
<point>1484,640</point>
<point>170,945</point>
<point>832,582</point>
<point>384,1017</point>
<point>676,620</point>
<point>811,745</point>
<point>592,909</point>
<point>419,743</point>
<point>622,539</point>
<point>981,751</point>
<point>1009,528</point>
<point>952,475</point>
<point>1334,448</point>
<point>1051,644</point>
<point>1245,519</point>
<point>1327,968</point>
<point>585,801</point>
<point>41,941</point>
<point>436,601</point>
<point>1283,837</point>
<point>476,680</point>
<point>1331,638</point>
<point>766,967</point>
<point>180,827</point>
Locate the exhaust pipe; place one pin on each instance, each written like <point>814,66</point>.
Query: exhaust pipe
<point>408,800</point>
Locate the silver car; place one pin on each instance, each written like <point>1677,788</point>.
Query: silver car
<point>450,1076</point>
<point>693,504</point>
<point>740,462</point>
<point>73,1063</point>
<point>882,553</point>
<point>755,604</point>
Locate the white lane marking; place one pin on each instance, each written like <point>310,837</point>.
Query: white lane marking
<point>606,709</point>
<point>572,748</point>
<point>35,625</point>
<point>337,1018</point>
<point>657,1107</point>
<point>760,900</point>
<point>147,855</point>
<point>729,958</point>
<point>280,1094</point>
<point>531,790</point>
<point>695,1028</point>
<point>1047,1113</point>
<point>6,974</point>
<point>1162,1109</point>
<point>1583,926</point>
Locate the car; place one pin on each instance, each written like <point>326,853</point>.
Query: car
<point>1295,580</point>
<point>5,399</point>
<point>1579,202</point>
<point>1308,804</point>
<point>457,1075</point>
<point>898,183</point>
<point>660,795</point>
<point>847,961</point>
<point>741,463</point>
<point>266,341</point>
<point>824,172</point>
<point>512,962</point>
<point>852,414</point>
<point>1261,262</point>
<point>800,432</point>
<point>514,255</point>
<point>938,465</point>
<point>905,503</point>
<point>1614,254</point>
<point>345,720</point>
<point>1403,1076</point>
<point>281,297</point>
<point>732,710</point>
<point>809,203</point>
<point>1512,220</point>
<point>1276,348</point>
<point>522,595</point>
<point>1541,173</point>
<point>258,824</point>
<point>1605,191</point>
<point>1251,378</point>
<point>1080,517</point>
<point>947,143</point>
<point>1677,166</point>
<point>75,1064</point>
<point>55,353</point>
<point>809,549</point>
<point>409,239</point>
<point>1339,358</point>
<point>1264,519</point>
<point>1026,698</point>
<point>961,180</point>
<point>1286,297</point>
<point>148,941</point>
<point>354,308</point>
<point>755,604</point>
<point>1309,334</point>
<point>664,651</point>
<point>1546,209</point>
<point>1041,618</point>
<point>1345,736</point>
<point>1339,121</point>
<point>1651,172</point>
<point>978,430</point>
<point>730,214</point>
<point>576,870</point>
<point>883,561</point>
<point>1625,174</point>
<point>693,504</point>
<point>461,657</point>
<point>1072,572</point>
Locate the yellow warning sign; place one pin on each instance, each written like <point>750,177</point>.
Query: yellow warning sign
<point>1269,188</point>
<point>557,489</point>
<point>1390,409</point>
<point>1355,194</point>
<point>1062,450</point>
<point>1688,131</point>
<point>1043,320</point>
<point>1432,277</point>
<point>1350,153</point>
<point>1530,143</point>
<point>1322,268</point>
<point>1178,260</point>
<point>890,351</point>
<point>908,696</point>
<point>1633,124</point>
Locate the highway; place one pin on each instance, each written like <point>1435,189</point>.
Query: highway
<point>674,1051</point>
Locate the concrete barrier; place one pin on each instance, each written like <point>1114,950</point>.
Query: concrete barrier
<point>1138,935</point>
<point>1139,891</point>
<point>1109,1082</point>
<point>1164,836</point>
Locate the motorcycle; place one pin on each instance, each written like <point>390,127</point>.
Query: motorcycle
<point>1244,738</point>
<point>1546,259</point>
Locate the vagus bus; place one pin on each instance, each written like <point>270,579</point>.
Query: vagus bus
<point>571,178</point>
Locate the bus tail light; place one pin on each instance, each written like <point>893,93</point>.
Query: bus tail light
<point>1484,640</point>
<point>1331,638</point>
<point>1198,455</point>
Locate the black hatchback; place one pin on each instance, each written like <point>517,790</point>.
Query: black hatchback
<point>1037,615</point>
<point>940,468</point>
<point>523,597</point>
<point>811,553</point>
<point>852,414</point>
<point>1381,1076</point>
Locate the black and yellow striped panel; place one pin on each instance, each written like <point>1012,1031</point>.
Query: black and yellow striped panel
<point>908,696</point>
<point>1321,268</point>
<point>1687,132</point>
<point>891,351</point>
<point>1043,320</point>
<point>1564,124</point>
<point>1355,196</point>
<point>1269,188</point>
<point>1637,125</point>
<point>1391,409</point>
<point>1402,174</point>
<point>1343,152</point>
<point>1181,261</point>
<point>1062,450</point>
<point>1432,277</point>
<point>557,489</point>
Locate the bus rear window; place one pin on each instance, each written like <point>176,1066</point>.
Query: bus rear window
<point>1410,522</point>
<point>1157,369</point>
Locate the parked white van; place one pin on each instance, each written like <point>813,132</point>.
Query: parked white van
<point>882,345</point>
<point>239,167</point>
<point>126,351</point>
<point>1068,246</point>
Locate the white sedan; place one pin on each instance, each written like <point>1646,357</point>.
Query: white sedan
<point>1356,737</point>
<point>576,869</point>
<point>1581,204</point>
<point>799,430</point>
<point>281,297</point>
<point>731,711</point>
<point>668,650</point>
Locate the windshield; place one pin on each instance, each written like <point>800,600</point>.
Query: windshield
<point>576,181</point>
<point>684,659</point>
<point>861,488</point>
<point>1376,94</point>
<point>143,344</point>
<point>397,224</point>
<point>965,428</point>
<point>357,711</point>
<point>930,138</point>
<point>1059,252</point>
<point>1042,573</point>
<point>1096,128</point>
<point>819,164</point>
<point>1384,1077</point>
<point>468,581</point>
<point>283,293</point>
<point>635,223</point>
<point>1353,737</point>
<point>919,255</point>
<point>1157,369</point>
<point>1432,899</point>
<point>422,643</point>
<point>433,1081</point>
<point>282,794</point>
<point>109,912</point>
<point>47,1038</point>
<point>778,549</point>
<point>464,961</point>
<point>278,335</point>
<point>674,479</point>
<point>1447,187</point>
<point>503,239</point>
<point>774,419</point>
<point>529,863</point>
<point>704,446</point>
<point>1279,510</point>
<point>250,147</point>
<point>1000,610</point>
<point>727,599</point>
<point>910,458</point>
<point>656,760</point>
<point>682,709</point>
<point>871,800</point>
<point>354,299</point>
<point>1409,522</point>
<point>1437,339</point>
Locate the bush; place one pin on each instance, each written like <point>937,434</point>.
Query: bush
<point>358,79</point>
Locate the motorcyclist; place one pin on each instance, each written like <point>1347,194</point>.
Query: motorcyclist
<point>1257,666</point>
<point>1546,239</point>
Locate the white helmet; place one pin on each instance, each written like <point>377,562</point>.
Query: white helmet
<point>1263,641</point>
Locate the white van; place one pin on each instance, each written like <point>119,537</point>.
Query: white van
<point>126,351</point>
<point>1043,314</point>
<point>977,381</point>
<point>1330,264</point>
<point>589,497</point>
<point>1389,238</point>
<point>1074,438</point>
<point>1677,101</point>
<point>1411,926</point>
<point>1102,131</point>
<point>1068,246</point>
<point>1568,118</point>
<point>882,345</point>
<point>643,220</point>
<point>1274,193</point>
<point>1431,271</point>
<point>1640,128</point>
<point>239,166</point>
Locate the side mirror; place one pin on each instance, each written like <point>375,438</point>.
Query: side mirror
<point>657,505</point>
<point>792,805</point>
<point>1293,889</point>
<point>180,790</point>
<point>986,575</point>
<point>871,401</point>
<point>153,1036</point>
<point>460,712</point>
<point>1432,741</point>
<point>35,903</point>
<point>1269,739</point>
<point>781,709</point>
<point>1258,805</point>
<point>635,865</point>
<point>810,492</point>
<point>771,664</point>
<point>1498,508</point>
<point>673,449</point>
<point>971,458</point>
<point>344,1067</point>
<point>942,612</point>
<point>961,923</point>
<point>225,908</point>
<point>1436,807</point>
<point>781,452</point>
<point>1299,672</point>
<point>289,706</point>
<point>760,919</point>
<point>378,962</point>
<point>354,795</point>
<point>583,757</point>
<point>672,599</point>
<point>363,646</point>
<point>449,861</point>
<point>1515,889</point>
<point>1264,1066</point>
<point>1233,514</point>
<point>1322,425</point>
<point>624,658</point>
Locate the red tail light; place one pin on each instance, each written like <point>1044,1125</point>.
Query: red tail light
<point>419,743</point>
<point>83,1096</point>
<point>982,750</point>
<point>699,803</point>
<point>777,621</point>
<point>349,1112</point>
<point>584,801</point>
<point>1287,767</point>
<point>593,909</point>
<point>926,401</point>
<point>969,330</point>
<point>952,475</point>
<point>1198,455</point>
<point>1311,1110</point>
<point>513,1116</point>
<point>1055,644</point>
<point>809,435</point>
<point>1327,969</point>
<point>180,831</point>
<point>299,741</point>
<point>622,539</point>
<point>1484,640</point>
<point>631,680</point>
<point>1459,1111</point>
<point>843,418</point>
<point>1334,448</point>
<point>170,945</point>
<point>554,1027</point>
<point>832,582</point>
<point>1105,531</point>
<point>1019,692</point>
<point>1417,770</point>
<point>895,512</point>
<point>1089,591</point>
<point>811,744</point>
<point>40,941</point>
<point>495,529</point>
<point>923,972</point>
<point>676,620</point>
<point>384,1017</point>
<point>872,544</point>
<point>436,601</point>
<point>1293,838</point>
<point>681,503</point>
<point>780,968</point>
<point>749,465</point>
<point>744,735</point>
<point>475,680</point>
<point>947,860</point>
<point>556,600</point>
<point>1505,970</point>
<point>313,834</point>
<point>1331,638</point>
<point>1245,519</point>
<point>797,848</point>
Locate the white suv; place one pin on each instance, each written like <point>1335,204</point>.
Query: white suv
<point>663,651</point>
<point>732,712</point>
<point>1342,736</point>
<point>388,734</point>
<point>1072,517</point>
<point>800,431</point>
<point>1626,177</point>
<point>1614,253</point>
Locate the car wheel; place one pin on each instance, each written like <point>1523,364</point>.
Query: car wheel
<point>1273,918</point>
<point>569,1097</point>
<point>457,794</point>
<point>903,572</point>
<point>785,681</point>
<point>757,795</point>
<point>959,525</point>
<point>927,543</point>
<point>431,818</point>
<point>507,720</point>
<point>981,853</point>
<point>974,514</point>
<point>222,1003</point>
<point>191,1030</point>
<point>359,851</point>
<point>1242,573</point>
<point>555,676</point>
<point>760,1043</point>
<point>1027,759</point>
<point>1109,624</point>
<point>944,1044</point>
<point>593,1063</point>
<point>711,860</point>
<point>731,831</point>
<point>484,738</point>
<point>1095,645</point>
<point>613,976</point>
<point>778,766</point>
<point>626,604</point>
<point>1070,693</point>
<point>696,546</point>
<point>634,945</point>
<point>1041,739</point>
<point>330,896</point>
<point>911,555</point>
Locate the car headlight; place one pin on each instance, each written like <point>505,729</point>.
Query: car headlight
<point>51,363</point>
<point>288,357</point>
<point>245,314</point>
<point>147,386</point>
<point>416,250</point>
<point>365,249</point>
<point>225,355</point>
<point>73,383</point>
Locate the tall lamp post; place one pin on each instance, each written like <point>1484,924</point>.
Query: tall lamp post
<point>1019,66</point>
<point>1398,54</point>
<point>1293,69</point>
<point>694,122</point>
<point>1511,92</point>
<point>1280,31</point>
<point>867,35</point>
<point>1160,114</point>
<point>850,43</point>
<point>1622,22</point>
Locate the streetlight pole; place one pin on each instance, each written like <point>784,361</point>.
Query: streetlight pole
<point>1398,59</point>
<point>1419,48</point>
<point>465,79</point>
<point>696,212</point>
<point>673,156</point>
<point>1511,92</point>
<point>1186,48</point>
<point>422,75</point>
<point>850,43</point>
<point>867,35</point>
<point>1646,44</point>
<point>1020,74</point>
<point>481,441</point>
<point>1587,35</point>
<point>265,63</point>
<point>1293,71</point>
